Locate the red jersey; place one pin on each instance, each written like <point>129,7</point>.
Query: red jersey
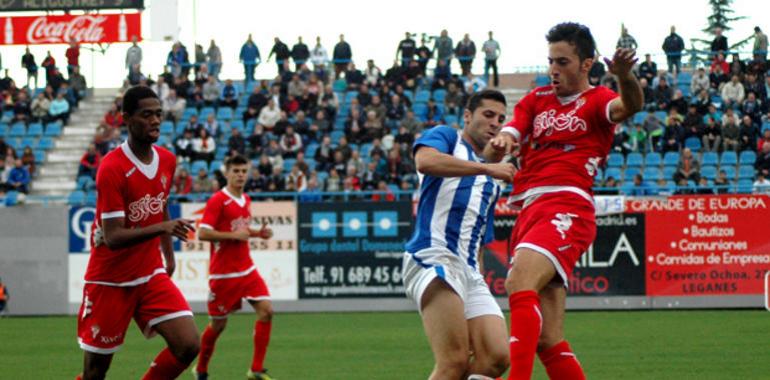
<point>563,141</point>
<point>226,213</point>
<point>127,188</point>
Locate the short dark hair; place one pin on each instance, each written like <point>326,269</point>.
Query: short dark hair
<point>235,159</point>
<point>134,95</point>
<point>756,29</point>
<point>577,35</point>
<point>475,100</point>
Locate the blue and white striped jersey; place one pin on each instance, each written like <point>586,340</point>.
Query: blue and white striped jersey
<point>453,213</point>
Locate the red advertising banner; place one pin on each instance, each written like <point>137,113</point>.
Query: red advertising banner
<point>90,28</point>
<point>706,245</point>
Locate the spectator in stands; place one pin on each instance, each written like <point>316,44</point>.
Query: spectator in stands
<point>275,153</point>
<point>214,59</point>
<point>434,115</point>
<point>717,79</point>
<point>693,123</point>
<point>89,163</point>
<point>761,185</point>
<point>662,95</point>
<point>673,46</point>
<point>737,67</point>
<point>465,51</point>
<point>28,160</point>
<point>133,56</point>
<point>257,140</point>
<point>178,59</point>
<point>269,115</point>
<point>372,73</point>
<point>49,64</point>
<point>297,178</point>
<point>749,132</point>
<point>641,187</point>
<point>321,123</point>
<point>395,112</point>
<point>703,187</point>
<point>719,43</point>
<point>733,92</point>
<point>648,69</point>
<point>28,63</point>
<point>19,178</point>
<point>182,185</point>
<point>762,164</point>
<point>60,109</point>
<point>236,143</point>
<point>40,107</point>
<point>407,48</point>
<point>752,107</point>
<point>21,108</point>
<point>701,102</point>
<point>722,183</point>
<point>291,142</point>
<point>699,82</point>
<point>282,55</point>
<point>173,106</point>
<point>249,56</point>
<point>200,60</point>
<point>353,77</point>
<point>324,154</point>
<point>203,146</point>
<point>608,187</point>
<point>318,55</point>
<point>688,168</point>
<point>341,56</point>
<point>637,139</point>
<point>296,86</point>
<point>410,123</point>
<point>77,83</point>
<point>311,193</point>
<point>373,128</point>
<point>719,62</point>
<point>73,56</point>
<point>712,135</point>
<point>678,102</point>
<point>649,96</point>
<point>229,96</point>
<point>265,167</point>
<point>276,181</point>
<point>202,183</point>
<point>765,138</point>
<point>354,126</point>
<point>211,92</point>
<point>491,50</point>
<point>754,84</point>
<point>760,45</point>
<point>673,136</point>
<point>626,41</point>
<point>256,182</point>
<point>345,149</point>
<point>730,131</point>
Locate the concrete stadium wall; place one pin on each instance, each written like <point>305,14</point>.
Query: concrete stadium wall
<point>33,259</point>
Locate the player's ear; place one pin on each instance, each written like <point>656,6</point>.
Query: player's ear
<point>466,116</point>
<point>585,66</point>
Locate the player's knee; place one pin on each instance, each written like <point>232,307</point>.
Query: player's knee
<point>265,312</point>
<point>499,362</point>
<point>453,366</point>
<point>187,351</point>
<point>548,340</point>
<point>218,325</point>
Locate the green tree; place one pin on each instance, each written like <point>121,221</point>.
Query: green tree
<point>721,16</point>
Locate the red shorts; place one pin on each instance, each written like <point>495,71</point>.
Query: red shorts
<point>560,226</point>
<point>226,293</point>
<point>106,311</point>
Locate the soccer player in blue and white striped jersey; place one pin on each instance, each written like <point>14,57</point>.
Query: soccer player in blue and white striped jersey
<point>458,192</point>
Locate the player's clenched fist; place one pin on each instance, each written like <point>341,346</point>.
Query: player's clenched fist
<point>263,233</point>
<point>503,171</point>
<point>178,228</point>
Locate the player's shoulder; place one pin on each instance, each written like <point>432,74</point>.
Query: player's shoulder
<point>165,154</point>
<point>441,130</point>
<point>542,91</point>
<point>114,159</point>
<point>217,197</point>
<point>601,92</point>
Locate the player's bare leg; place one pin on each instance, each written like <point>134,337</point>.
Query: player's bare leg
<point>443,317</point>
<point>208,340</point>
<point>262,328</point>
<point>183,342</point>
<point>95,365</point>
<point>488,343</point>
<point>531,272</point>
<point>555,353</point>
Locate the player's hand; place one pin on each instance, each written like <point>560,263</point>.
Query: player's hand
<point>502,171</point>
<point>241,235</point>
<point>179,228</point>
<point>263,233</point>
<point>170,267</point>
<point>622,62</point>
<point>504,143</point>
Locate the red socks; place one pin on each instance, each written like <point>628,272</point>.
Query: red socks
<point>164,367</point>
<point>526,323</point>
<point>561,364</point>
<point>208,340</point>
<point>261,340</point>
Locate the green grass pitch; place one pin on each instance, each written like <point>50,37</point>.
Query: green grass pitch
<point>610,345</point>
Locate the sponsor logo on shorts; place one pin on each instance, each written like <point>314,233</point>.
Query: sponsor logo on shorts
<point>86,307</point>
<point>94,331</point>
<point>563,222</point>
<point>110,339</point>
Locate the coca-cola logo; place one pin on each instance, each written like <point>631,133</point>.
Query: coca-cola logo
<point>146,206</point>
<point>547,122</point>
<point>85,28</point>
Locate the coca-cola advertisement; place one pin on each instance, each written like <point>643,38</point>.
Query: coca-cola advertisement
<point>87,29</point>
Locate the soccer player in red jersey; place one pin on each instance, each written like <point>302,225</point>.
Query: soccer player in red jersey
<point>564,132</point>
<point>125,277</point>
<point>233,275</point>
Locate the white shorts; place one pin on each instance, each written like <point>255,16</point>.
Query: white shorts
<point>420,268</point>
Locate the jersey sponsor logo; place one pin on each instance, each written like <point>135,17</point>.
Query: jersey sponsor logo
<point>146,206</point>
<point>563,222</point>
<point>240,223</point>
<point>163,180</point>
<point>544,93</point>
<point>548,122</point>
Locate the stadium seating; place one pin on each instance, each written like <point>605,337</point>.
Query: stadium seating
<point>729,158</point>
<point>671,159</point>
<point>653,159</point>
<point>747,157</point>
<point>709,171</point>
<point>634,159</point>
<point>746,172</point>
<point>615,160</point>
<point>709,158</point>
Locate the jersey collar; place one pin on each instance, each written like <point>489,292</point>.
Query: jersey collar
<point>148,170</point>
<point>240,201</point>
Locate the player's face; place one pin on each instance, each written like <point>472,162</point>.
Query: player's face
<point>144,124</point>
<point>569,75</point>
<point>485,122</point>
<point>237,174</point>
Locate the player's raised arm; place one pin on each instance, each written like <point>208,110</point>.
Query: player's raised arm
<point>434,163</point>
<point>631,97</point>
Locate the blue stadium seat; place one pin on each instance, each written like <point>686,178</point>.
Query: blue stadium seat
<point>205,112</point>
<point>765,126</point>
<point>627,187</point>
<point>53,129</point>
<point>3,130</point>
<point>288,163</point>
<point>350,95</point>
<point>322,176</point>
<point>671,159</point>
<point>221,153</point>
<point>615,173</point>
<point>365,150</point>
<point>635,159</point>
<point>77,197</point>
<point>11,198</point>
<point>693,143</point>
<point>339,85</point>
<point>91,198</point>
<point>709,158</point>
<point>421,96</point>
<point>17,130</point>
<point>542,80</point>
<point>746,172</point>
<point>13,143</point>
<point>668,172</point>
<point>748,157</point>
<point>39,156</point>
<point>238,124</point>
<point>439,95</point>
<point>35,130</point>
<point>652,159</point>
<point>629,173</point>
<point>215,165</point>
<point>167,127</point>
<point>409,95</point>
<point>450,120</point>
<point>179,128</point>
<point>729,158</point>
<point>639,117</point>
<point>224,113</point>
<point>45,143</point>
<point>652,174</point>
<point>7,116</point>
<point>310,150</point>
<point>709,171</point>
<point>615,160</point>
<point>336,135</point>
<point>745,186</point>
<point>661,115</point>
<point>27,142</point>
<point>729,171</point>
<point>197,166</point>
<point>189,111</point>
<point>85,183</point>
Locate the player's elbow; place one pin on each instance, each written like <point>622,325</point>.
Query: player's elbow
<point>204,234</point>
